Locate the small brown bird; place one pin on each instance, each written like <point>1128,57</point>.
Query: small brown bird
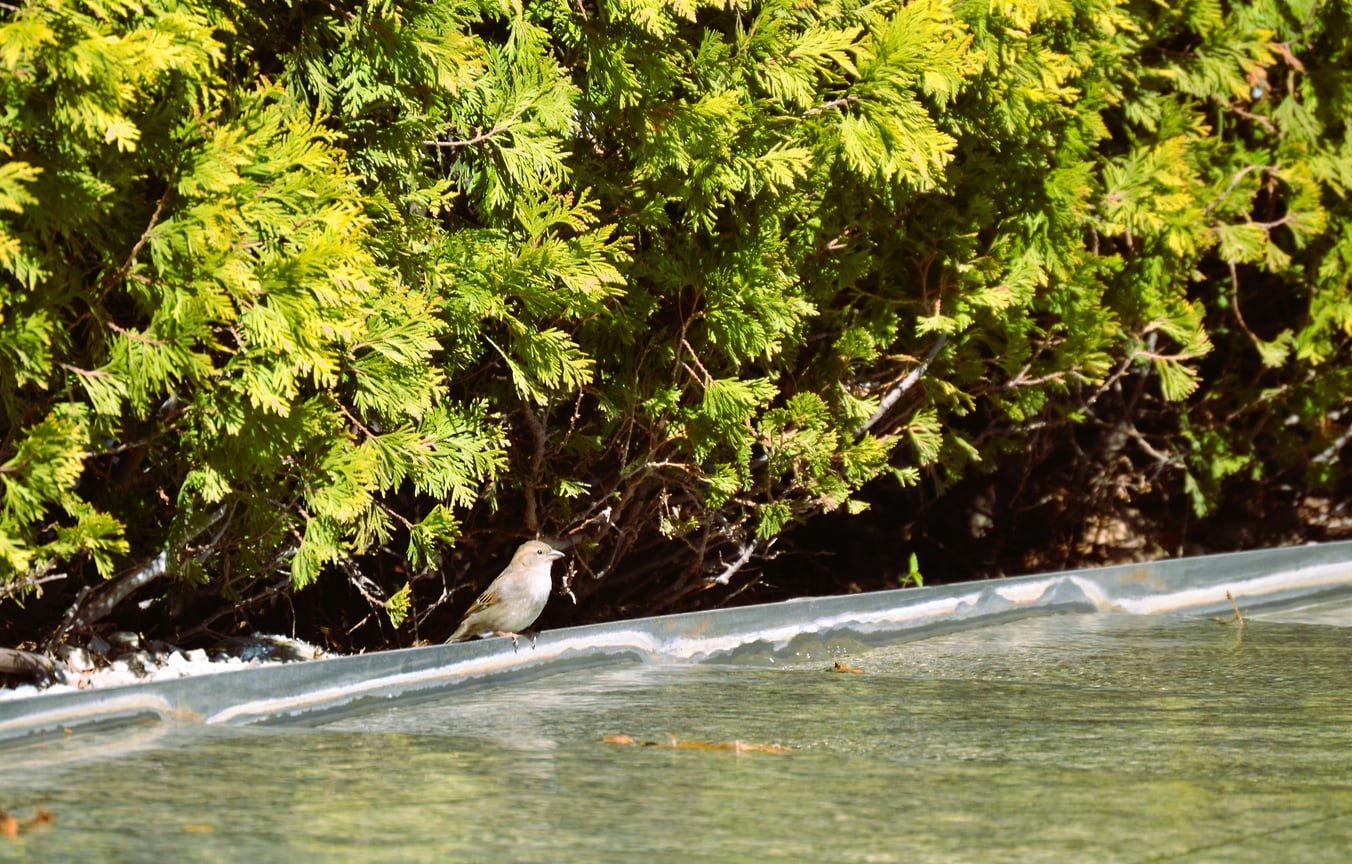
<point>513,601</point>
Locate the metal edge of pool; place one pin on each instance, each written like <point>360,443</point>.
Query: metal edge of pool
<point>1188,585</point>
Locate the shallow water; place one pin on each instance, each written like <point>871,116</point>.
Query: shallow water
<point>1066,738</point>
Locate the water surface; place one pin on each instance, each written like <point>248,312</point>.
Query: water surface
<point>1066,738</point>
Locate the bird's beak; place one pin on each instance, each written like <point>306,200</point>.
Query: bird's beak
<point>555,555</point>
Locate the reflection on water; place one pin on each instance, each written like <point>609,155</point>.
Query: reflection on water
<point>1071,738</point>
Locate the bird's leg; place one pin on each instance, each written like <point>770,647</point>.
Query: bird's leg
<point>516,638</point>
<point>534,637</point>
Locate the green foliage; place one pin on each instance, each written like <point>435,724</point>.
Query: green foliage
<point>283,284</point>
<point>399,605</point>
<point>198,314</point>
<point>913,577</point>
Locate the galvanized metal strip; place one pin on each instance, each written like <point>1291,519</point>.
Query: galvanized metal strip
<point>267,693</point>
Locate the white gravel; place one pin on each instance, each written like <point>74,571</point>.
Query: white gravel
<point>101,665</point>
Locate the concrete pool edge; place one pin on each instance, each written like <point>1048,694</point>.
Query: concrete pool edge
<point>1188,585</point>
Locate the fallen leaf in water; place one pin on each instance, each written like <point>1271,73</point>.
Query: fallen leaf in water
<point>743,747</point>
<point>11,827</point>
<point>199,829</point>
<point>677,744</point>
<point>692,745</point>
<point>841,667</point>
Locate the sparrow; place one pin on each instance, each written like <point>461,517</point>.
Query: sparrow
<point>513,601</point>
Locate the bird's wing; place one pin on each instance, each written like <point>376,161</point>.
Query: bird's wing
<point>490,597</point>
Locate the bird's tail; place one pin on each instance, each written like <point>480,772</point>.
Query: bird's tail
<point>461,633</point>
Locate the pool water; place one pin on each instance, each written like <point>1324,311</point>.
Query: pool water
<point>1064,738</point>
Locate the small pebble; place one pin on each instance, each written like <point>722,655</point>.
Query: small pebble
<point>76,658</point>
<point>125,640</point>
<point>118,672</point>
<point>160,648</point>
<point>140,662</point>
<point>176,660</point>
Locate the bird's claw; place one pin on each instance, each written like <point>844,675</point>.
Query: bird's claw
<point>516,638</point>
